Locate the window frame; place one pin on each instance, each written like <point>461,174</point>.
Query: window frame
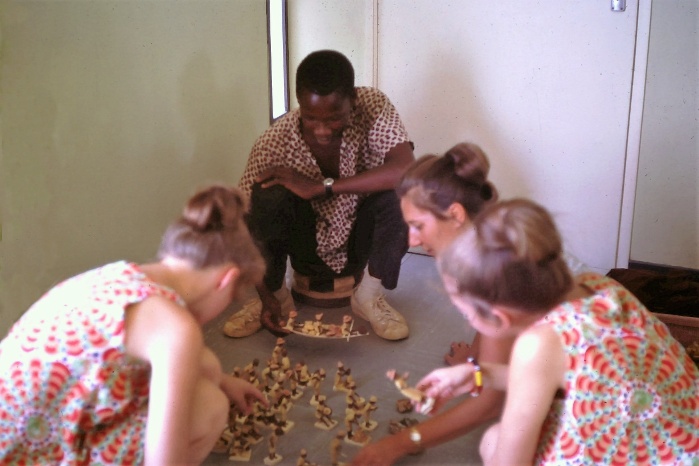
<point>278,58</point>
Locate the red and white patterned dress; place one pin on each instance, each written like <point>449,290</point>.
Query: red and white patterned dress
<point>68,392</point>
<point>632,392</point>
<point>374,129</point>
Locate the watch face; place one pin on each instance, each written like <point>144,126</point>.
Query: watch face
<point>415,436</point>
<point>328,182</point>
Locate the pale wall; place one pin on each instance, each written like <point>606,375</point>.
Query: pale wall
<point>538,87</point>
<point>113,113</point>
<point>666,216</point>
<point>343,25</point>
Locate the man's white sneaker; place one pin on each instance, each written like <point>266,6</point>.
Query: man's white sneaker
<point>386,321</point>
<point>246,321</point>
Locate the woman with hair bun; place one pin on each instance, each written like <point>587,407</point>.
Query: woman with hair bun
<point>594,377</point>
<point>440,195</point>
<point>110,367</point>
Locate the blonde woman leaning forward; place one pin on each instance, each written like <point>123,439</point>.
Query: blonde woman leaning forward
<point>110,367</point>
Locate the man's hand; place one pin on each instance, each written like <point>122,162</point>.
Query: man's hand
<point>382,453</point>
<point>301,185</point>
<point>271,313</point>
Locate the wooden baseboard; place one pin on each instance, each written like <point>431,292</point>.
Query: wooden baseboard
<point>683,328</point>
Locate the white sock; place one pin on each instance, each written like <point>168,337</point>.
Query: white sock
<point>369,289</point>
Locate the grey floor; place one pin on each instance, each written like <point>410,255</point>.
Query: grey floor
<point>434,323</point>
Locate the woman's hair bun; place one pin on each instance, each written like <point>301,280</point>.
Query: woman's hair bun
<point>214,209</point>
<point>488,191</point>
<point>470,162</point>
<point>211,231</point>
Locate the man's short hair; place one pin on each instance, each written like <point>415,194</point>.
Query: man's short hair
<point>324,72</point>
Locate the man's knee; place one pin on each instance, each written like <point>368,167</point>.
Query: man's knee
<point>386,201</point>
<point>389,221</point>
<point>270,198</point>
<point>271,211</point>
<point>382,210</point>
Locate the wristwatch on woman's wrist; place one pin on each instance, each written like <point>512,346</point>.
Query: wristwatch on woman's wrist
<point>328,184</point>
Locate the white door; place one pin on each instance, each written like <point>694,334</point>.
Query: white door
<point>543,87</point>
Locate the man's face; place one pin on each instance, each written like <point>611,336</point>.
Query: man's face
<point>323,118</point>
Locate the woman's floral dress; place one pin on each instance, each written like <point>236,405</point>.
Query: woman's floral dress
<point>68,392</point>
<point>632,392</point>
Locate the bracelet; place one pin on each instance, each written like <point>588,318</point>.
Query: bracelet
<point>477,377</point>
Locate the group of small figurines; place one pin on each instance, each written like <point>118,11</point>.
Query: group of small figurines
<point>319,329</point>
<point>283,384</point>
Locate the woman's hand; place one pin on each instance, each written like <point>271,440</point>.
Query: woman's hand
<point>242,394</point>
<point>448,382</point>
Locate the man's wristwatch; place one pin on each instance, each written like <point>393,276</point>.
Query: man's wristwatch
<point>328,184</point>
<point>416,439</point>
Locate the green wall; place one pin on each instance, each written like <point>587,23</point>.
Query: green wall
<point>113,113</point>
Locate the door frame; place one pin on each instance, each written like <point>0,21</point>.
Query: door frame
<point>633,139</point>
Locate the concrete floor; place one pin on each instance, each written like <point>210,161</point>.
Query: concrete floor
<point>434,323</point>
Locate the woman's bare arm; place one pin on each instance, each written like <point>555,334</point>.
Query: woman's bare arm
<point>536,372</point>
<point>447,425</point>
<point>166,335</point>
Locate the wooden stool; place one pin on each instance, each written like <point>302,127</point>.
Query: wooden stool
<point>325,293</point>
